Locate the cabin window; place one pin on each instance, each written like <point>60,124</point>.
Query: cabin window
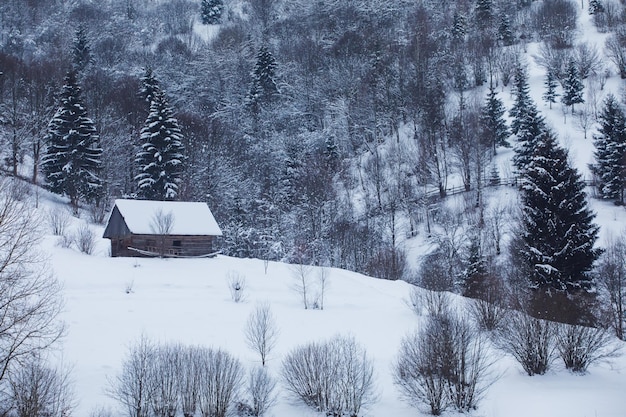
<point>177,243</point>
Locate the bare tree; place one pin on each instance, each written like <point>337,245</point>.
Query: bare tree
<point>611,274</point>
<point>302,277</point>
<point>30,299</point>
<point>261,331</point>
<point>58,220</point>
<point>132,387</point>
<point>446,363</point>
<point>261,387</point>
<point>334,377</point>
<point>322,284</point>
<point>585,118</point>
<point>529,340</point>
<point>580,346</point>
<point>615,49</point>
<point>36,389</point>
<point>220,377</point>
<point>162,224</point>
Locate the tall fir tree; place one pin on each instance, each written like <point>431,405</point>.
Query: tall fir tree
<point>505,32</point>
<point>530,128</point>
<point>572,86</point>
<point>81,50</point>
<point>610,154</point>
<point>160,159</point>
<point>149,85</point>
<point>523,102</point>
<point>211,11</point>
<point>558,230</point>
<point>550,84</point>
<point>492,121</point>
<point>484,13</point>
<point>72,161</point>
<point>264,88</point>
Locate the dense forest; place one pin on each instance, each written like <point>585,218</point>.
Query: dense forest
<point>318,132</point>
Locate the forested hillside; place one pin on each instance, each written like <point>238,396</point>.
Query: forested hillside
<point>318,132</point>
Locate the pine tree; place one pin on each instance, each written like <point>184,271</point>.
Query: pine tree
<point>161,157</point>
<point>459,27</point>
<point>211,11</point>
<point>72,161</point>
<point>523,102</point>
<point>550,83</point>
<point>492,120</point>
<point>149,85</point>
<point>264,88</point>
<point>595,6</point>
<point>529,130</point>
<point>558,230</point>
<point>484,12</point>
<point>572,86</point>
<point>610,154</point>
<point>81,51</point>
<point>505,33</point>
<point>474,278</point>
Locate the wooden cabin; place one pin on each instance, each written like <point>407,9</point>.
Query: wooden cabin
<point>161,228</point>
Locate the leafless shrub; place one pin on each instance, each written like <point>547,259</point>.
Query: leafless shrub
<point>529,340</point>
<point>580,346</point>
<point>488,315</point>
<point>132,386</point>
<point>334,377</point>
<point>163,380</point>
<point>36,389</point>
<point>58,220</point>
<point>236,285</point>
<point>261,331</point>
<point>552,59</point>
<point>260,389</point>
<point>444,364</point>
<point>611,274</point>
<point>85,239</point>
<point>220,377</point>
<point>65,241</point>
<point>29,296</point>
<point>189,380</point>
<point>98,212</point>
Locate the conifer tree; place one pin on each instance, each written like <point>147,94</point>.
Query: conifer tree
<point>149,85</point>
<point>529,130</point>
<point>610,154</point>
<point>572,86</point>
<point>484,12</point>
<point>211,11</point>
<point>264,88</point>
<point>550,83</point>
<point>505,33</point>
<point>558,230</point>
<point>492,120</point>
<point>81,51</point>
<point>474,277</point>
<point>72,161</point>
<point>523,102</point>
<point>161,158</point>
<point>459,27</point>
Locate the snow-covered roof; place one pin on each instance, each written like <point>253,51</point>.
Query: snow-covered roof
<point>188,218</point>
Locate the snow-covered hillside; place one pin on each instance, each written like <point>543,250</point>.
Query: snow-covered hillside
<point>189,301</point>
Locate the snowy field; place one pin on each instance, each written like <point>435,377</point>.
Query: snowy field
<point>189,301</point>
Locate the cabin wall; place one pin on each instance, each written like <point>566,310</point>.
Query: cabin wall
<point>169,245</point>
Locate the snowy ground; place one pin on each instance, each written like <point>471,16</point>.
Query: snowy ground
<point>189,301</point>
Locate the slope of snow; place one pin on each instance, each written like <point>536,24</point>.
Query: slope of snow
<point>188,301</point>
